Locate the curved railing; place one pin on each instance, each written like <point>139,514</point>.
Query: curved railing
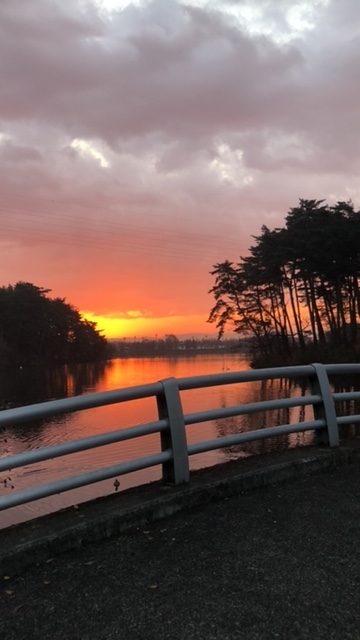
<point>172,424</point>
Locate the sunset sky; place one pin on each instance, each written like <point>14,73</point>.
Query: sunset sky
<point>142,142</point>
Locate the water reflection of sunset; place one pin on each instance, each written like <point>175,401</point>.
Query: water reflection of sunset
<point>128,372</point>
<point>124,372</point>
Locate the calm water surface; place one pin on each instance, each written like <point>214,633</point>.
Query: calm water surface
<point>38,385</point>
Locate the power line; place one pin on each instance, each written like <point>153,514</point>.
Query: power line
<point>100,234</point>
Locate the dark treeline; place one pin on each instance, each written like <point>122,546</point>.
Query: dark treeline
<point>36,328</point>
<point>171,345</point>
<point>297,292</point>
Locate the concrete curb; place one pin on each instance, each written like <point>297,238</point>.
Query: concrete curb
<point>29,543</point>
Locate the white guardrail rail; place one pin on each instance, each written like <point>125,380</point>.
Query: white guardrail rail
<point>172,424</point>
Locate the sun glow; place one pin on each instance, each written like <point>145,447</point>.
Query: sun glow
<point>145,327</point>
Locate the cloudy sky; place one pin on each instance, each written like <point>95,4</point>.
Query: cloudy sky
<point>142,142</point>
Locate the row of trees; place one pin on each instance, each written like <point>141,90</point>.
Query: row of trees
<point>171,345</point>
<point>35,328</point>
<point>299,286</point>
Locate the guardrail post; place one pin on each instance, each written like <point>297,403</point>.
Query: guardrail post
<point>174,438</point>
<point>320,385</point>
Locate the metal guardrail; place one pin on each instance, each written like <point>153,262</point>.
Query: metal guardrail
<point>172,424</point>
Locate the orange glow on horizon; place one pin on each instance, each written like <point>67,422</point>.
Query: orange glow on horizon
<point>141,327</point>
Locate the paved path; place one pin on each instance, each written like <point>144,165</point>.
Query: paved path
<point>280,562</point>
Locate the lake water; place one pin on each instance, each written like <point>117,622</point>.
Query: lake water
<point>28,386</point>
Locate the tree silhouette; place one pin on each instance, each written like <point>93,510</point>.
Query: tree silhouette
<point>36,328</point>
<point>299,285</point>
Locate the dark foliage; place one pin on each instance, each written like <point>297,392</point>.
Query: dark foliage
<point>36,328</point>
<point>299,286</point>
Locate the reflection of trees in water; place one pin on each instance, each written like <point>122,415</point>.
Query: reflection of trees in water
<point>347,407</point>
<point>29,432</point>
<point>85,377</point>
<point>39,384</point>
<point>259,392</point>
<point>30,385</point>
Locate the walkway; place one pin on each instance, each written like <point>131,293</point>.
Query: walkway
<point>279,562</point>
